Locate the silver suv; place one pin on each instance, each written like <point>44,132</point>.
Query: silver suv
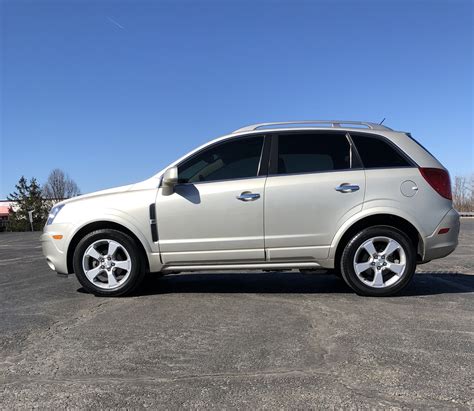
<point>355,198</point>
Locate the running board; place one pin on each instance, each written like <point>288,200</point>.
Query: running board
<point>254,266</point>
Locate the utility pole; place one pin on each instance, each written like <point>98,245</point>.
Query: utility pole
<point>30,215</point>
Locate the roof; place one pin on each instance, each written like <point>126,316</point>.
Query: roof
<point>4,211</point>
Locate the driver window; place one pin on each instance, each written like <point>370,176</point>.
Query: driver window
<point>238,158</point>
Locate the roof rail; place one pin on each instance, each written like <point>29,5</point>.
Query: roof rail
<point>333,123</point>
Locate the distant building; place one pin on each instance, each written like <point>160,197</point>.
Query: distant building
<point>5,212</point>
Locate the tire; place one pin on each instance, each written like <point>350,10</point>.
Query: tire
<point>384,271</point>
<point>118,275</point>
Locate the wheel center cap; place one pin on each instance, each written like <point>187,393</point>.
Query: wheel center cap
<point>379,260</point>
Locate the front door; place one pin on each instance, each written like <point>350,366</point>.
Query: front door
<point>215,214</point>
<point>315,183</point>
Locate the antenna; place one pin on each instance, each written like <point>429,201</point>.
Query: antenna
<point>382,121</point>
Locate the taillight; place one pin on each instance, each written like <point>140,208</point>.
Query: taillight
<point>439,180</point>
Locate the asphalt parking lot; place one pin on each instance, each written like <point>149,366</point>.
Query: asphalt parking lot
<point>226,340</point>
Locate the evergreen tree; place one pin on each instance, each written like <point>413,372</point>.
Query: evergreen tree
<point>28,196</point>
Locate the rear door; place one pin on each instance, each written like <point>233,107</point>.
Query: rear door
<point>315,183</point>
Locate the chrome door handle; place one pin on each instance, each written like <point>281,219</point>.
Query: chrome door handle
<point>247,196</point>
<point>347,188</point>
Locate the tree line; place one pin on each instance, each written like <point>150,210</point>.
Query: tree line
<point>463,193</point>
<point>31,196</point>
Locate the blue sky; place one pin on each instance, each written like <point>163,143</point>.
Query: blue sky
<point>113,91</point>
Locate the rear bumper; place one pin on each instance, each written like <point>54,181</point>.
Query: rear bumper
<point>441,245</point>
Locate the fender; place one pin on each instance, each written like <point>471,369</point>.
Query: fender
<point>125,220</point>
<point>372,211</point>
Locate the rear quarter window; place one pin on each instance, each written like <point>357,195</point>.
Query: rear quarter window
<point>377,153</point>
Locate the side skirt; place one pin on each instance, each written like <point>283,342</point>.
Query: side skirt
<point>255,266</point>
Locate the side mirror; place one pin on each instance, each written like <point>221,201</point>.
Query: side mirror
<point>170,179</point>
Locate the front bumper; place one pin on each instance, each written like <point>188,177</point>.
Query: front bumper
<point>54,251</point>
<point>441,245</point>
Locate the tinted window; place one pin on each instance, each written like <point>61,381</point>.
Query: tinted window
<point>306,153</point>
<point>238,158</point>
<point>376,153</point>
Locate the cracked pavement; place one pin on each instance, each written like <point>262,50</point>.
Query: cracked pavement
<point>235,340</point>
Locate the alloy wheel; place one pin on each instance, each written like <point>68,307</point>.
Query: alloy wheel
<point>107,264</point>
<point>380,262</point>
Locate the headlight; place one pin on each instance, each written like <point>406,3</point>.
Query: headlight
<point>53,213</point>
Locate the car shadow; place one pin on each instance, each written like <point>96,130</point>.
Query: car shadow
<point>423,284</point>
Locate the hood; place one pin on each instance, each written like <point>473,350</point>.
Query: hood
<point>146,184</point>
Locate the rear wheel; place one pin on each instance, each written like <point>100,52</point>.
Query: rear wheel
<point>107,263</point>
<point>378,261</point>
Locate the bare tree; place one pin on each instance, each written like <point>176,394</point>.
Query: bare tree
<point>463,197</point>
<point>60,186</point>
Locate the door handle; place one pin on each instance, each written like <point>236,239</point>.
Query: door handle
<point>347,188</point>
<point>247,196</point>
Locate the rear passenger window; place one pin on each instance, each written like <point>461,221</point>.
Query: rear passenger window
<point>376,153</point>
<point>307,153</point>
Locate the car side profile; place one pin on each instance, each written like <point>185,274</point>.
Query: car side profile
<point>355,198</point>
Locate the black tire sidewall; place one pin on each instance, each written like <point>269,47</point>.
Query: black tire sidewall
<point>347,258</point>
<point>136,273</point>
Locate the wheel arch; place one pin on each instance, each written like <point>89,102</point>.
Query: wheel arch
<point>98,225</point>
<point>387,219</point>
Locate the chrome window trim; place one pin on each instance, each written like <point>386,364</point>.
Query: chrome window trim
<point>316,172</point>
<point>220,181</point>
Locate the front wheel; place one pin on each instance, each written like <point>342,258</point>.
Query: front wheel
<point>378,261</point>
<point>107,263</point>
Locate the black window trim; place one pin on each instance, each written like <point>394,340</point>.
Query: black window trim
<point>405,156</point>
<point>273,166</point>
<point>262,163</point>
<point>355,157</point>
